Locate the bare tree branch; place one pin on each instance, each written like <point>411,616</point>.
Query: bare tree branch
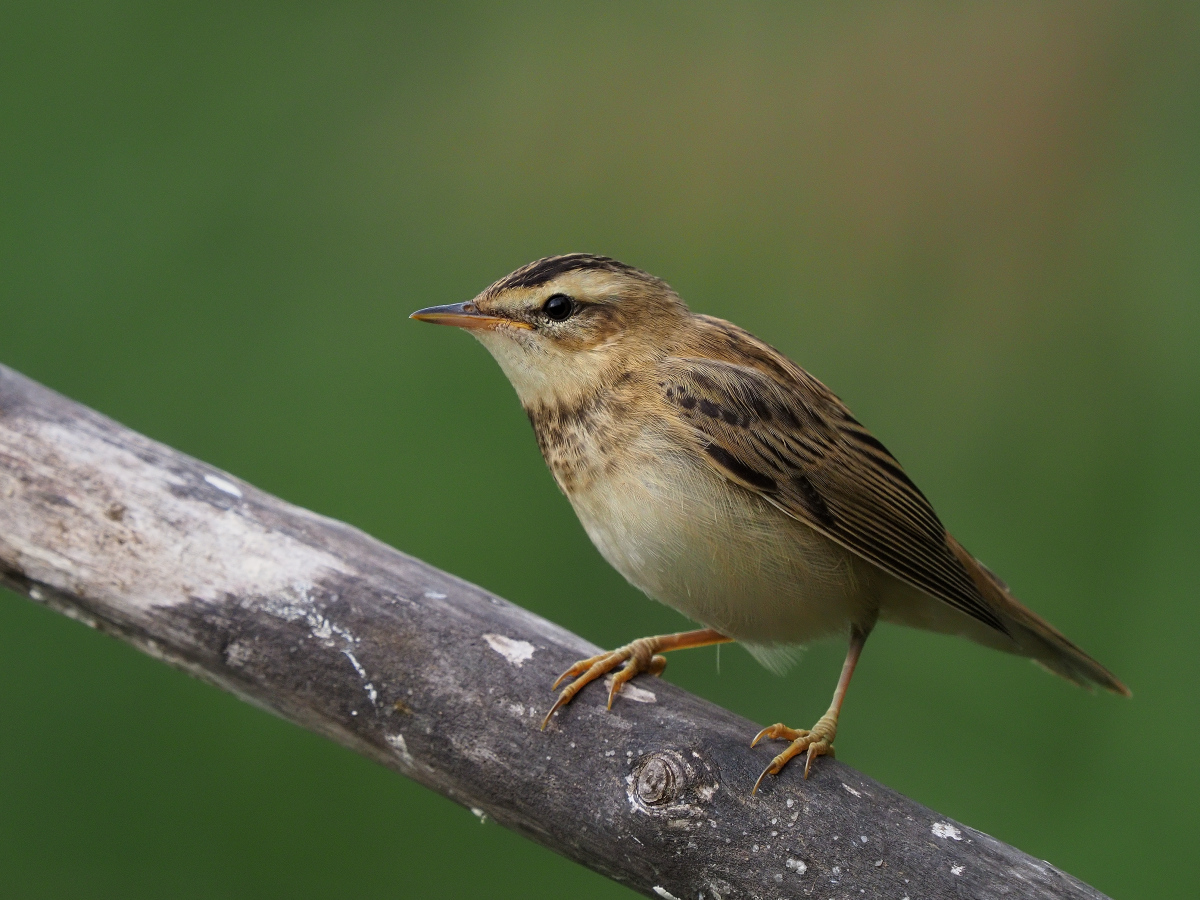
<point>446,683</point>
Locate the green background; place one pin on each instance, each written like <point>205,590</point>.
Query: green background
<point>979,224</point>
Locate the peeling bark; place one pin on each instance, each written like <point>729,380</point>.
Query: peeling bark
<point>446,683</point>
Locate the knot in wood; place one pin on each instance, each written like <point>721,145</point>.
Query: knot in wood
<point>676,784</point>
<point>657,781</point>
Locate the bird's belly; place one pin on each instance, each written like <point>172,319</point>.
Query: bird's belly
<point>722,555</point>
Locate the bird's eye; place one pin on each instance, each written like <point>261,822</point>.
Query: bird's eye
<point>559,307</point>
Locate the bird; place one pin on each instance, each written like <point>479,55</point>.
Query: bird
<point>725,481</point>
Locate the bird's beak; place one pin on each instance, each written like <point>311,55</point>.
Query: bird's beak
<point>464,315</point>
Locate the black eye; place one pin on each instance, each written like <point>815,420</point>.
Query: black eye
<point>559,307</point>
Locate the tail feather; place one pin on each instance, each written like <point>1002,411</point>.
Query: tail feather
<point>1034,636</point>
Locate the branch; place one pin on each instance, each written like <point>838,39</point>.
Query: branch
<point>446,683</point>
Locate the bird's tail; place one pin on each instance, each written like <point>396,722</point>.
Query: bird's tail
<point>1035,637</point>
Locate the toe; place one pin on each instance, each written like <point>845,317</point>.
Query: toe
<point>814,750</point>
<point>765,772</point>
<point>627,672</point>
<point>778,732</point>
<point>578,669</point>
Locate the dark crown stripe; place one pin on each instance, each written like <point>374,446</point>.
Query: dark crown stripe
<point>543,270</point>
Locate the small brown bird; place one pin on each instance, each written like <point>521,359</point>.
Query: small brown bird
<point>722,479</point>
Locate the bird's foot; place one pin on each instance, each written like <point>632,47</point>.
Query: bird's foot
<point>638,656</point>
<point>816,742</point>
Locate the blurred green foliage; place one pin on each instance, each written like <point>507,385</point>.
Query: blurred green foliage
<point>978,223</point>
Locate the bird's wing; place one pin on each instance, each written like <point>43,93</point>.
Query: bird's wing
<point>784,435</point>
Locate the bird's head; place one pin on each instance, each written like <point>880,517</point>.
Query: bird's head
<point>564,325</point>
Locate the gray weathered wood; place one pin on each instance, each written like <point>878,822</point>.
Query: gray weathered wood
<point>447,683</point>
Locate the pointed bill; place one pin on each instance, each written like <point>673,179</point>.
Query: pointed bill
<point>464,315</point>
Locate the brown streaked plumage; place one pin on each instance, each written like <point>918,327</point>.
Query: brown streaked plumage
<point>722,479</point>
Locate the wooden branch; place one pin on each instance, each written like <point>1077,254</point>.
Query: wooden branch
<point>446,683</point>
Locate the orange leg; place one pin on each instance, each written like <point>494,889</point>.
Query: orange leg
<point>819,740</point>
<point>639,656</point>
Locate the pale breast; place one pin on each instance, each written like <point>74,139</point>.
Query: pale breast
<point>716,552</point>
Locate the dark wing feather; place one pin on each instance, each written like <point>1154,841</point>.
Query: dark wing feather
<point>785,436</point>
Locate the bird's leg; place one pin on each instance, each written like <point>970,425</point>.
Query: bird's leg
<point>818,740</point>
<point>638,656</point>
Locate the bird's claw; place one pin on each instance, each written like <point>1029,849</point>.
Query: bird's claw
<point>814,743</point>
<point>638,657</point>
